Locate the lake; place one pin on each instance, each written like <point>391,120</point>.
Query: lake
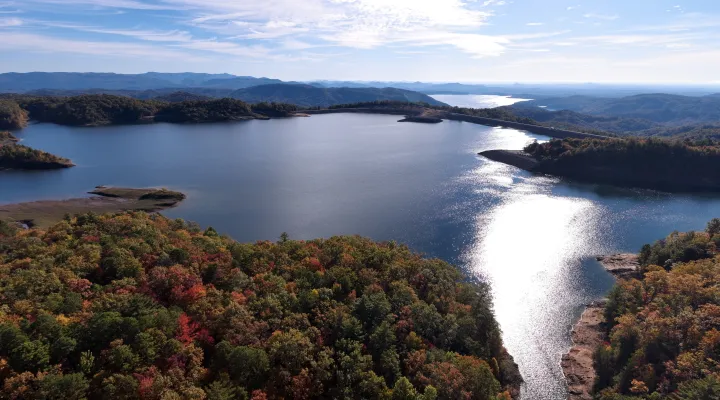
<point>476,100</point>
<point>533,238</point>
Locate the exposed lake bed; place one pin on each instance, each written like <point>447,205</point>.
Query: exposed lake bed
<point>45,213</point>
<point>421,184</point>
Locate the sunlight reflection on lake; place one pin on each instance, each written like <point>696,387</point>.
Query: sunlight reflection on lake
<point>524,249</point>
<point>477,101</point>
<point>531,237</point>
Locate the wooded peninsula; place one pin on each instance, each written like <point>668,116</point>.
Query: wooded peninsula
<point>138,306</point>
<point>660,326</point>
<point>665,165</point>
<point>16,156</point>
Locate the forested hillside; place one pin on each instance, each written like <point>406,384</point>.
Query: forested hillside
<point>664,326</point>
<point>311,96</point>
<point>137,306</point>
<point>94,110</point>
<point>16,156</point>
<point>661,108</point>
<point>645,163</point>
<point>11,115</point>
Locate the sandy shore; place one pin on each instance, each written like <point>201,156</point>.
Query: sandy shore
<point>589,332</point>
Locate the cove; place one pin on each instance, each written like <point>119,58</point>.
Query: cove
<point>532,238</point>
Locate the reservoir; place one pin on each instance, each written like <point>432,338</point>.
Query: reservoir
<point>532,238</point>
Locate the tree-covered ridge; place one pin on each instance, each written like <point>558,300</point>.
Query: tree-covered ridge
<point>501,113</point>
<point>312,96</point>
<point>104,109</point>
<point>89,110</point>
<point>7,138</point>
<point>16,156</point>
<point>682,247</point>
<point>665,326</point>
<point>202,111</point>
<point>11,115</point>
<point>137,306</point>
<point>621,126</point>
<point>647,163</point>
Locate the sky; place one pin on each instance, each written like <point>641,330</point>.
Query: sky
<point>603,41</point>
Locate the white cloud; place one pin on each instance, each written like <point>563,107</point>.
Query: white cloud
<point>10,22</point>
<point>570,8</point>
<point>656,40</point>
<point>127,4</point>
<point>535,24</point>
<point>604,17</point>
<point>147,35</point>
<point>362,24</point>
<point>49,44</point>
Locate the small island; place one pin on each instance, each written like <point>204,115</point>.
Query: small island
<point>43,214</point>
<point>16,156</point>
<point>664,165</point>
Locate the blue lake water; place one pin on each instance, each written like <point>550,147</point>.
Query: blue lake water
<point>477,100</point>
<point>532,238</point>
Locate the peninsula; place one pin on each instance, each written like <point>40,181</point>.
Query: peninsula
<point>16,156</point>
<point>426,113</point>
<point>115,305</point>
<point>670,166</point>
<point>590,332</point>
<point>45,213</point>
<point>655,336</point>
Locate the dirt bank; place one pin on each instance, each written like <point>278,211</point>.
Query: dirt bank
<point>43,214</point>
<point>589,332</point>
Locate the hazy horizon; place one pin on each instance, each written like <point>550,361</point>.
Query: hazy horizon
<point>445,81</point>
<point>473,41</point>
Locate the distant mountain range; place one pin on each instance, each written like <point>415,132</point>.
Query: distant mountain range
<point>308,95</point>
<point>659,108</point>
<point>21,83</point>
<point>25,82</point>
<point>299,94</point>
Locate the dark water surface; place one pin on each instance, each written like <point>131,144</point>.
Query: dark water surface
<point>531,237</point>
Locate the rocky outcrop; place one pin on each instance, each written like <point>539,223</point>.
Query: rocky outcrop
<point>589,332</point>
<point>577,364</point>
<point>515,158</point>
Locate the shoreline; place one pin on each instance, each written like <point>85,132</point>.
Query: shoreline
<point>446,115</point>
<point>524,161</point>
<point>589,332</point>
<point>45,213</point>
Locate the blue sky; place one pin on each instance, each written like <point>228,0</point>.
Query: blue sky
<point>429,40</point>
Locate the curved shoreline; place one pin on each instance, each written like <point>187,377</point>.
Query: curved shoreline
<point>45,213</point>
<point>589,332</point>
<point>439,114</point>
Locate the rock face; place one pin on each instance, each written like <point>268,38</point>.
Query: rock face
<point>589,332</point>
<point>516,158</point>
<point>577,364</point>
<point>620,265</point>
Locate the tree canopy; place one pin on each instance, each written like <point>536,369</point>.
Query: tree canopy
<point>16,156</point>
<point>646,163</point>
<point>106,109</point>
<point>138,306</point>
<point>11,115</point>
<point>664,326</point>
